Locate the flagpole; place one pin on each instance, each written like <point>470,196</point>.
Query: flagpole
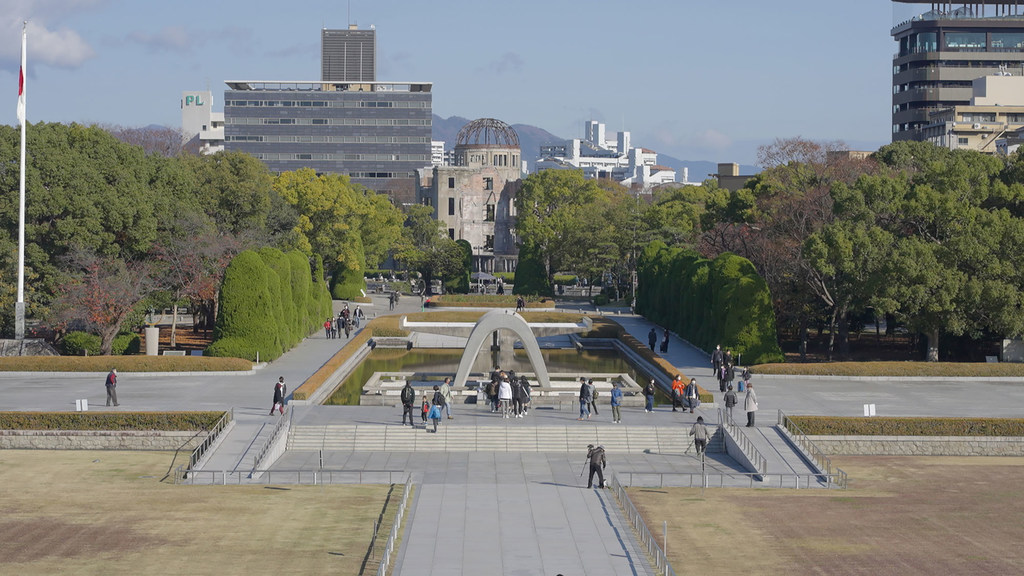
<point>19,307</point>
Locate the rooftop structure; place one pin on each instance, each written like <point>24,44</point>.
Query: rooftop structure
<point>348,55</point>
<point>942,51</point>
<point>201,127</point>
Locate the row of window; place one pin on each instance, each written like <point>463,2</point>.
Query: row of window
<point>347,157</point>
<point>929,41</point>
<point>235,120</point>
<point>327,104</point>
<point>332,139</point>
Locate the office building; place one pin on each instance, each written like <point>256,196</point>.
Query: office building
<point>201,127</point>
<point>348,55</point>
<point>942,51</point>
<point>600,158</point>
<point>996,111</point>
<point>378,133</point>
<point>474,198</point>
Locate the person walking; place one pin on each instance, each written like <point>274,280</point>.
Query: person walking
<point>598,462</point>
<point>446,391</point>
<point>750,404</point>
<point>692,395</point>
<point>593,396</point>
<point>652,338</point>
<point>408,399</point>
<point>700,435</point>
<point>730,402</point>
<point>525,391</point>
<point>391,300</point>
<point>677,392</point>
<point>424,410</point>
<point>649,397</point>
<point>504,396</point>
<point>520,304</point>
<point>716,360</point>
<point>348,327</point>
<point>664,341</point>
<point>327,328</point>
<point>616,403</point>
<point>435,414</point>
<point>279,394</point>
<point>585,399</point>
<point>111,386</point>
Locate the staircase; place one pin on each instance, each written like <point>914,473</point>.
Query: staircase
<point>388,438</point>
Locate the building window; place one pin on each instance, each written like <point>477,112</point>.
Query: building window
<point>451,233</point>
<point>451,183</point>
<point>489,242</point>
<point>962,141</point>
<point>965,39</point>
<point>489,217</point>
<point>488,183</point>
<point>451,206</point>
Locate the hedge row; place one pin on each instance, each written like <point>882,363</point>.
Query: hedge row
<point>873,426</point>
<point>709,302</point>
<point>897,369</point>
<point>488,301</point>
<point>83,343</point>
<point>269,301</point>
<point>122,363</point>
<point>164,421</point>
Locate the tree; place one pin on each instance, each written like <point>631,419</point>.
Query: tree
<point>425,247</point>
<point>103,293</point>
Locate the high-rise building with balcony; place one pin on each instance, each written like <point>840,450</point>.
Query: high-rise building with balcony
<point>942,51</point>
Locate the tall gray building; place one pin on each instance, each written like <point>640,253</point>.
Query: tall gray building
<point>943,50</point>
<point>378,133</point>
<point>348,55</point>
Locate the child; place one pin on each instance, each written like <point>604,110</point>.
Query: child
<point>425,410</point>
<point>435,415</point>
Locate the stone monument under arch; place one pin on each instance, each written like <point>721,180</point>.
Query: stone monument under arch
<point>501,320</point>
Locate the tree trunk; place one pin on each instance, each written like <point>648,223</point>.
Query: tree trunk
<point>933,346</point>
<point>831,334</point>
<point>174,324</point>
<point>844,334</point>
<point>803,339</point>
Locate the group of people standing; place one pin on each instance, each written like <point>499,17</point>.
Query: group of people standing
<point>684,396</point>
<point>588,400</point>
<point>346,322</point>
<point>430,410</point>
<point>652,339</point>
<point>508,394</point>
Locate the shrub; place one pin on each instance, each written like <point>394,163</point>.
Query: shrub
<point>531,275</point>
<point>459,284</point>
<point>167,421</point>
<point>79,344</point>
<point>137,363</point>
<point>874,426</point>
<point>601,299</point>
<point>126,343</point>
<point>247,321</point>
<point>488,301</point>
<point>566,279</point>
<point>898,369</point>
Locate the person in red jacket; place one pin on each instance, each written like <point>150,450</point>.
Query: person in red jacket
<point>677,391</point>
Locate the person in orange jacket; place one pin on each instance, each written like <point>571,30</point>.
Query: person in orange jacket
<point>677,391</point>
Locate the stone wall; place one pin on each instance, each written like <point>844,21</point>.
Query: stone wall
<point>99,440</point>
<point>920,445</point>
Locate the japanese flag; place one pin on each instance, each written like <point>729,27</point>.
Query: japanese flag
<point>21,96</point>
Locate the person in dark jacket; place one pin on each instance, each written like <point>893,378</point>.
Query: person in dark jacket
<point>597,465</point>
<point>692,395</point>
<point>586,398</point>
<point>408,399</point>
<point>280,391</point>
<point>730,402</point>
<point>716,360</point>
<point>664,341</point>
<point>649,397</point>
<point>593,396</point>
<point>652,338</point>
<point>111,386</point>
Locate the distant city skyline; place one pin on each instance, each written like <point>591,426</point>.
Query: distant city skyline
<point>708,81</point>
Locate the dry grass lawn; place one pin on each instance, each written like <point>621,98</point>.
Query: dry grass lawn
<point>108,513</point>
<point>901,515</point>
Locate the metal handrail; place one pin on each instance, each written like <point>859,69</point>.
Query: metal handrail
<point>282,427</point>
<point>731,480</point>
<point>389,546</point>
<point>656,553</point>
<point>296,476</point>
<point>745,445</point>
<point>212,437</point>
<point>821,460</point>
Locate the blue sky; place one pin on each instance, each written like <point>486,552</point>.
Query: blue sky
<point>697,80</point>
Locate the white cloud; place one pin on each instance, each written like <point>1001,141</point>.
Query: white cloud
<point>48,42</point>
<point>711,139</point>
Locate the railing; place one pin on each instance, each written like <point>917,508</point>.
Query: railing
<point>274,447</point>
<point>647,540</point>
<point>389,546</point>
<point>744,443</point>
<point>211,438</point>
<point>293,476</point>
<point>730,480</point>
<point>817,455</point>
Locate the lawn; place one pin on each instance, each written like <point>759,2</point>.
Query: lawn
<point>901,515</point>
<point>74,512</point>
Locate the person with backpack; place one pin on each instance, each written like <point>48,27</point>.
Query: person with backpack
<point>408,396</point>
<point>730,402</point>
<point>525,394</point>
<point>649,397</point>
<point>598,463</point>
<point>616,403</point>
<point>438,402</point>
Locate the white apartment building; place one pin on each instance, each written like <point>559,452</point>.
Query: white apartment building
<point>615,159</point>
<point>200,124</point>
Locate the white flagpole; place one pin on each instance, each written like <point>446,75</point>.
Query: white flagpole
<point>19,307</point>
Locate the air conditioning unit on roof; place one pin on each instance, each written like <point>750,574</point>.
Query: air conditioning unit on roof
<point>976,126</point>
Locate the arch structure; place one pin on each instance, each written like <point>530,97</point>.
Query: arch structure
<point>488,324</point>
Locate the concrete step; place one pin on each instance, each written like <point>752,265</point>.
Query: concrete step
<point>377,437</point>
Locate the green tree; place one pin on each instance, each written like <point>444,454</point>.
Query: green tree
<point>425,248</point>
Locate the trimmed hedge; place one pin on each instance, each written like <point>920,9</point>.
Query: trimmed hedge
<point>123,364</point>
<point>897,369</point>
<point>531,274</point>
<point>79,344</point>
<point>126,344</point>
<point>874,426</point>
<point>459,284</point>
<point>488,301</point>
<point>165,421</point>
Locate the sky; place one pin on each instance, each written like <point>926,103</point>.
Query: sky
<point>695,80</point>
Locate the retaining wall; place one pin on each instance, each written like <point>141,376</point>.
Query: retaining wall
<point>99,440</point>
<point>920,445</point>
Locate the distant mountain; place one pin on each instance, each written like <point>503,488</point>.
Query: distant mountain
<point>531,138</point>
